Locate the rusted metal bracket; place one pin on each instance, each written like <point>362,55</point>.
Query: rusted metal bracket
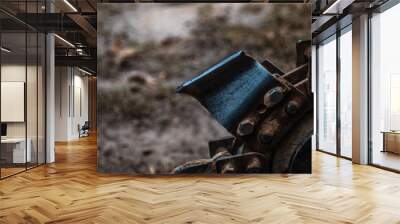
<point>260,106</point>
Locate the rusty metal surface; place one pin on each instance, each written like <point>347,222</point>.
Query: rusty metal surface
<point>268,112</point>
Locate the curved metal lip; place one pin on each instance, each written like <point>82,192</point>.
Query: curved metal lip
<point>231,88</point>
<point>209,71</point>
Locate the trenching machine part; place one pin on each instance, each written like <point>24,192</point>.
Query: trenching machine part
<point>267,111</point>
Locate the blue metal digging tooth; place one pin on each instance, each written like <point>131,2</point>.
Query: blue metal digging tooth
<point>230,89</point>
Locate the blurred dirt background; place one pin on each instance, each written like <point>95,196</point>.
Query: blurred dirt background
<point>146,50</point>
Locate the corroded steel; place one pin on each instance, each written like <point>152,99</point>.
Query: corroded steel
<point>268,112</point>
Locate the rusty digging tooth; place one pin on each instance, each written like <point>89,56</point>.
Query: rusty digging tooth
<point>246,126</point>
<point>274,96</point>
<point>254,165</point>
<point>267,131</point>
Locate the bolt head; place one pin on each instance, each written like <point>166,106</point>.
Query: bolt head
<point>292,107</point>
